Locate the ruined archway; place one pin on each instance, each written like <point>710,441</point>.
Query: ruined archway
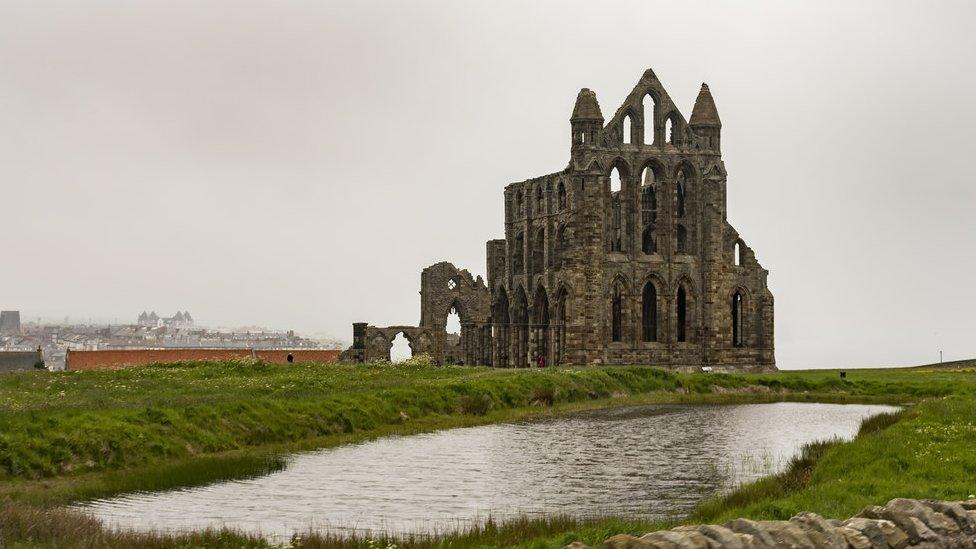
<point>453,335</point>
<point>400,347</point>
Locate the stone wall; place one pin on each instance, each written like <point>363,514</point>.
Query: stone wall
<point>444,289</point>
<point>900,524</point>
<point>124,358</point>
<point>19,361</point>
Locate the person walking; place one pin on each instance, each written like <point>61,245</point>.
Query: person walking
<point>541,361</point>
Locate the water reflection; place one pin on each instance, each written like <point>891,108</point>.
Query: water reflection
<point>649,461</point>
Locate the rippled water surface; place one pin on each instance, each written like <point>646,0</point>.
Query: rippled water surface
<point>648,461</point>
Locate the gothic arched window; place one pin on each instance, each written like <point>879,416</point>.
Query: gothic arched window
<point>649,313</point>
<point>737,338</point>
<point>518,254</point>
<point>681,306</point>
<point>616,313</point>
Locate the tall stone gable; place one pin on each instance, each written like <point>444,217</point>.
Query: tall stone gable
<point>623,257</point>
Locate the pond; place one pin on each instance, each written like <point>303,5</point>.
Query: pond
<point>647,461</point>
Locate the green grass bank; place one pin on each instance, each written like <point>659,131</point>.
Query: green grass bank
<point>68,436</point>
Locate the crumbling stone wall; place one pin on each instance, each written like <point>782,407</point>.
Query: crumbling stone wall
<point>902,523</point>
<point>443,288</point>
<point>625,256</point>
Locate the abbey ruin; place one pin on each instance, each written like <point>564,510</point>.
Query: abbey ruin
<point>624,256</point>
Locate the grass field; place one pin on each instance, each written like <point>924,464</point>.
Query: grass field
<point>67,436</point>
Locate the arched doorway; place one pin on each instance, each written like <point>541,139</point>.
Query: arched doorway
<point>520,330</point>
<point>559,330</point>
<point>500,329</point>
<point>540,326</point>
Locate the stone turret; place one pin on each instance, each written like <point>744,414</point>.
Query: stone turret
<point>705,121</point>
<point>587,119</point>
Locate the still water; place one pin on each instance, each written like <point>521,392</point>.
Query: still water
<point>647,461</point>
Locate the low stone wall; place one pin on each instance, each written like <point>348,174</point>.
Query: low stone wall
<point>19,361</point>
<point>901,523</point>
<point>112,359</point>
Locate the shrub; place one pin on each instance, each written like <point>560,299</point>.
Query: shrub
<point>545,396</point>
<point>475,405</point>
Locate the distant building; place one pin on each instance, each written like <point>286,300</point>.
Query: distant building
<point>9,322</point>
<point>152,320</point>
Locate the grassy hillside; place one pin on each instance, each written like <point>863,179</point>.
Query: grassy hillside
<point>66,436</point>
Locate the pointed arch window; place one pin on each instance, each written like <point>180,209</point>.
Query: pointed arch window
<point>561,196</point>
<point>671,129</point>
<point>681,306</point>
<point>539,252</point>
<point>737,253</point>
<point>539,200</point>
<point>737,338</point>
<point>649,312</point>
<point>648,197</point>
<point>518,254</point>
<point>560,247</point>
<point>519,208</point>
<point>627,130</point>
<point>616,182</point>
<point>650,106</point>
<point>648,211</point>
<point>680,204</point>
<point>616,232</point>
<point>616,314</point>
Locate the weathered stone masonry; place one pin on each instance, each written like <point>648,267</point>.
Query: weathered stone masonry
<point>623,257</point>
<point>902,523</point>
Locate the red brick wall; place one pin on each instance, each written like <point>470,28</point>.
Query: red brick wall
<point>108,360</point>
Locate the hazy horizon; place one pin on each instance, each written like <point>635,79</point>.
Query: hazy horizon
<point>296,164</point>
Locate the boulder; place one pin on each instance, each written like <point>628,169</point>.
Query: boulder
<point>954,511</point>
<point>788,535</point>
<point>871,529</point>
<point>820,531</point>
<point>894,536</point>
<point>626,541</point>
<point>855,539</point>
<point>722,536</point>
<point>934,520</point>
<point>745,526</point>
<point>677,539</point>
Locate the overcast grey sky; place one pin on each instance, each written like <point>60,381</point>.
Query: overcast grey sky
<point>296,164</point>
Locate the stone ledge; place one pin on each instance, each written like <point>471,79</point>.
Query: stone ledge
<point>902,523</point>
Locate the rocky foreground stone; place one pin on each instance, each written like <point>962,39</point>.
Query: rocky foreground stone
<point>900,523</point>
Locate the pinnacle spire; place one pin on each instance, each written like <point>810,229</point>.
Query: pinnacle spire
<point>705,113</point>
<point>587,107</point>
